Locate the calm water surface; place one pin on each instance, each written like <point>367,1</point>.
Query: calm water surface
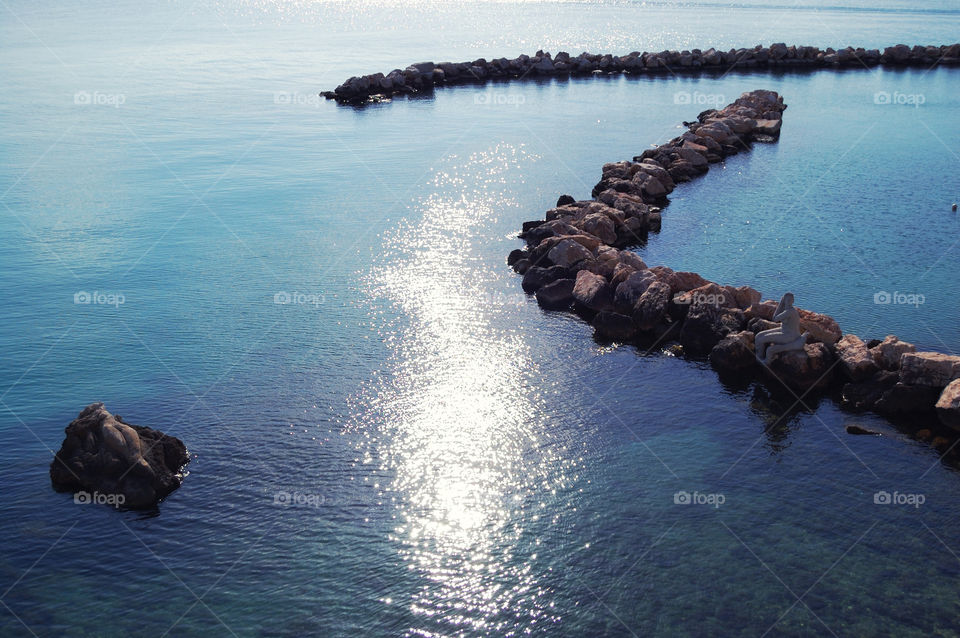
<point>459,462</point>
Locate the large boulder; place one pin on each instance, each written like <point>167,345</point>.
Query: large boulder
<point>614,326</point>
<point>902,398</point>
<point>734,353</point>
<point>628,291</point>
<point>855,359</point>
<point>684,281</point>
<point>652,305</point>
<point>592,292</point>
<point>948,406</point>
<point>929,369</point>
<point>803,370</point>
<point>864,395</point>
<point>557,295</point>
<point>888,352</point>
<point>568,253</point>
<point>536,277</point>
<point>706,324</point>
<point>821,327</point>
<point>136,465</point>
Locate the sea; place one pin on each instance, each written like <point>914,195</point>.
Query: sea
<point>388,437</point>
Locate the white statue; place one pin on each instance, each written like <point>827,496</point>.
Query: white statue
<point>785,338</point>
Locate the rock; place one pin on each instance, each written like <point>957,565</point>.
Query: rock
<point>537,277</point>
<point>703,328</point>
<point>565,200</point>
<point>888,352</point>
<point>614,326</point>
<point>734,353</point>
<point>865,394</point>
<point>746,296</point>
<point>821,327</point>
<point>515,256</point>
<point>102,453</point>
<point>763,310</point>
<point>652,305</point>
<point>557,295</point>
<point>521,267</point>
<point>569,253</point>
<point>629,291</point>
<point>855,359</point>
<point>684,281</point>
<point>929,369</point>
<point>592,292</point>
<point>856,429</point>
<point>907,399</point>
<point>803,370</point>
<point>632,259</point>
<point>948,406</point>
<point>600,226</point>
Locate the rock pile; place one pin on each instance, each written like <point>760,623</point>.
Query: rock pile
<point>426,75</point>
<point>575,259</point>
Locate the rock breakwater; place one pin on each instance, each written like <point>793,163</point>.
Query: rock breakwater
<point>576,259</point>
<point>424,76</point>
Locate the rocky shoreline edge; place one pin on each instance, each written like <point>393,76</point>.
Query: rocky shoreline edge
<point>424,76</point>
<point>575,260</point>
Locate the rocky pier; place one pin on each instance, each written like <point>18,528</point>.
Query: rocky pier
<point>424,76</point>
<point>576,259</point>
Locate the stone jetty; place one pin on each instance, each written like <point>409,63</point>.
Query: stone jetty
<point>576,259</point>
<point>423,76</point>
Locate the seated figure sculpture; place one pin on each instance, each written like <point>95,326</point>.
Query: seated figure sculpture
<point>785,338</point>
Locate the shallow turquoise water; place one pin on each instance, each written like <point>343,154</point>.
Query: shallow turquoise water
<point>481,467</point>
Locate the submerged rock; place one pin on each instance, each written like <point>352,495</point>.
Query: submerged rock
<point>101,453</point>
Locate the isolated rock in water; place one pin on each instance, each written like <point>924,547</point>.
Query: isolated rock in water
<point>888,352</point>
<point>855,360</point>
<point>734,353</point>
<point>103,454</point>
<point>929,368</point>
<point>948,407</point>
<point>856,429</point>
<point>804,369</point>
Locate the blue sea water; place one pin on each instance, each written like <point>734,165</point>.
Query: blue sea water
<point>411,446</point>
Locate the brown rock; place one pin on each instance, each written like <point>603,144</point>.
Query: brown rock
<point>568,253</point>
<point>734,353</point>
<point>592,292</point>
<point>557,295</point>
<point>652,306</point>
<point>948,406</point>
<point>887,353</point>
<point>929,368</point>
<point>614,326</point>
<point>855,360</point>
<point>806,369</point>
<point>683,281</point>
<point>821,327</point>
